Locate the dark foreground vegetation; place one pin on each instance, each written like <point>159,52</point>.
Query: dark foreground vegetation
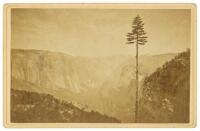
<point>31,107</point>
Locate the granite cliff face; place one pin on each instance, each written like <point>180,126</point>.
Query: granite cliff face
<point>104,84</point>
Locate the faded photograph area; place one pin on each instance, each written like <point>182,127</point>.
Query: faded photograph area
<point>100,65</point>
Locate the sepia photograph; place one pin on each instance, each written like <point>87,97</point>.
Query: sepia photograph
<point>99,65</point>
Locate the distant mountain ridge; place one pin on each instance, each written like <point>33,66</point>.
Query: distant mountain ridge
<point>83,80</point>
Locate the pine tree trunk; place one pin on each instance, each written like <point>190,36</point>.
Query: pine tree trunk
<point>137,84</point>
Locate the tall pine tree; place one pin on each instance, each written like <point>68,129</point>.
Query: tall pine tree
<point>138,37</point>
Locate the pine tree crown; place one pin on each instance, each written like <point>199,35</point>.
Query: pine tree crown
<point>137,34</point>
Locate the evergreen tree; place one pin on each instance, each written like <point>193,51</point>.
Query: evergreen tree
<point>138,37</point>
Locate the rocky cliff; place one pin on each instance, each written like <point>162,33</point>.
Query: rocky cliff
<point>104,84</point>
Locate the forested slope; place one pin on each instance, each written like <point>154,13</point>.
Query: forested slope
<point>165,96</point>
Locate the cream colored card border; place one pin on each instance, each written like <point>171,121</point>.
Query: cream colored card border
<point>7,63</point>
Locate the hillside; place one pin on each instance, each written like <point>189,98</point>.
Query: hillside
<point>31,107</point>
<point>165,96</point>
<point>104,84</point>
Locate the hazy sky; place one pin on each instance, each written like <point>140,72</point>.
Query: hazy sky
<point>91,32</point>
